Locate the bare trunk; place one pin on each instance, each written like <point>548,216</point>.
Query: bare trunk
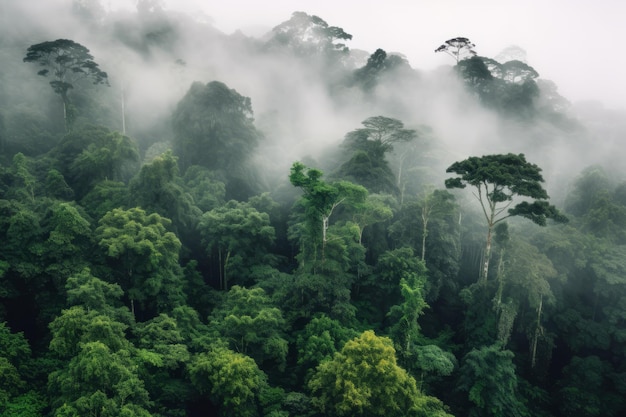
<point>485,271</point>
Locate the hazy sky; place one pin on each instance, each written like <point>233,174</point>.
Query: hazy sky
<point>575,43</point>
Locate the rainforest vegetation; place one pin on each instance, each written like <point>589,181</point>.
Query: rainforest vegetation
<point>197,224</point>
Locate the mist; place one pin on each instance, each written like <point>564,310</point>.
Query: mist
<point>302,106</point>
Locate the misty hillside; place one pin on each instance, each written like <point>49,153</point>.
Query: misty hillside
<point>195,223</point>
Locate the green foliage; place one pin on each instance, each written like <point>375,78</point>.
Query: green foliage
<point>378,66</point>
<point>364,380</point>
<point>586,388</point>
<point>459,48</point>
<point>67,62</point>
<point>207,190</point>
<point>488,376</point>
<point>239,237</point>
<point>498,179</point>
<point>251,324</point>
<point>98,381</point>
<point>14,355</point>
<point>231,379</point>
<point>214,128</point>
<point>509,88</point>
<point>319,201</point>
<point>111,156</point>
<point>367,147</point>
<point>158,189</point>
<point>405,328</point>
<point>143,256</point>
<point>164,356</point>
<point>320,339</point>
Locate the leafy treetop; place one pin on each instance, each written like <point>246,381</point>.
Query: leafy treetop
<point>458,48</point>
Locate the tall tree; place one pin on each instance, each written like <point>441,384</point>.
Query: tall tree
<point>497,180</point>
<point>458,48</point>
<point>67,62</point>
<point>309,35</point>
<point>319,201</point>
<point>214,128</point>
<point>369,145</point>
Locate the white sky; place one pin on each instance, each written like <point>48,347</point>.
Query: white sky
<point>575,43</point>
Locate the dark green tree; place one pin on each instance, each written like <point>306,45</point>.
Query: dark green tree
<point>158,188</point>
<point>368,147</point>
<point>143,256</point>
<point>214,128</point>
<point>238,237</point>
<point>378,65</point>
<point>488,376</point>
<point>497,180</point>
<point>320,339</point>
<point>251,324</point>
<point>66,62</point>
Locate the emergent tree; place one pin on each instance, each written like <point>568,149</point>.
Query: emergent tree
<point>67,62</point>
<point>458,48</point>
<point>497,179</point>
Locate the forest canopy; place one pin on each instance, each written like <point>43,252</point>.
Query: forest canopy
<point>286,226</point>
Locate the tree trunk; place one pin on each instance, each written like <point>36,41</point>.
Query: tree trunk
<point>500,277</point>
<point>485,270</point>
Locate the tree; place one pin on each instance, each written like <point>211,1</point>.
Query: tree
<point>99,381</point>
<point>165,356</point>
<point>251,325</point>
<point>320,339</point>
<point>214,128</point>
<point>230,378</point>
<point>67,62</point>
<point>498,179</point>
<point>239,235</point>
<point>157,188</point>
<point>110,157</point>
<point>488,376</point>
<point>143,256</point>
<point>309,35</point>
<point>14,354</point>
<point>364,380</point>
<point>458,48</point>
<point>369,145</point>
<point>319,201</point>
<point>433,204</point>
<point>378,65</point>
<point>405,329</point>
